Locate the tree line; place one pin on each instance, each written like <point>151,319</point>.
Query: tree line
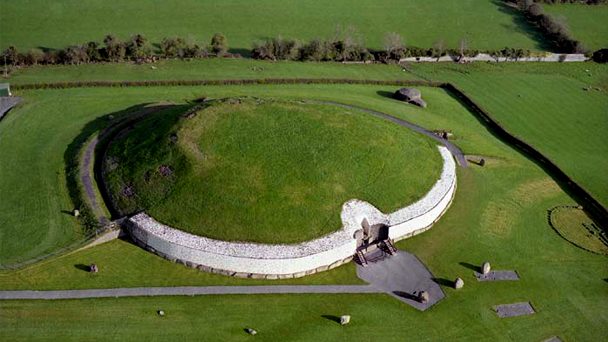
<point>112,49</point>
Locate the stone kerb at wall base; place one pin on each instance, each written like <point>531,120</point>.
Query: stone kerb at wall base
<point>265,261</point>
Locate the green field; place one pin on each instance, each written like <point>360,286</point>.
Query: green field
<point>586,23</point>
<point>205,69</point>
<point>499,214</point>
<point>266,170</point>
<point>547,106</point>
<point>486,24</point>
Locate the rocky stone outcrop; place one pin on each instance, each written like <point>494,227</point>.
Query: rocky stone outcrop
<point>410,95</point>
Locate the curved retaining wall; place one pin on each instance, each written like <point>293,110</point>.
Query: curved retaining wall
<point>287,261</point>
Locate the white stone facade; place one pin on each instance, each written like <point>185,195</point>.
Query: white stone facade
<point>286,261</point>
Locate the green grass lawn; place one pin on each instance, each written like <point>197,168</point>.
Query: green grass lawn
<point>271,171</point>
<point>205,69</point>
<point>546,106</point>
<point>499,214</point>
<point>586,23</point>
<point>487,24</point>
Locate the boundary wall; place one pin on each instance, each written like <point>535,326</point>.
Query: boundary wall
<point>270,261</point>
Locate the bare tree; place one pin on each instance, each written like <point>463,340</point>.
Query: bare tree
<point>439,48</point>
<point>463,46</point>
<point>393,41</point>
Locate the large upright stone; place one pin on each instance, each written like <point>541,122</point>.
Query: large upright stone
<point>344,320</point>
<point>485,268</point>
<point>458,283</point>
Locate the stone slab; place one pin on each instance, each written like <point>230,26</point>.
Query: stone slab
<point>497,276</point>
<point>514,310</point>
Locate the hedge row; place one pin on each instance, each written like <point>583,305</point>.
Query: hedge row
<point>156,83</point>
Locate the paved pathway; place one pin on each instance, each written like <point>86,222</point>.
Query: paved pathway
<point>402,276</point>
<point>187,291</point>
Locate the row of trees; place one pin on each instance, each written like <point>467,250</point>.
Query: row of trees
<point>137,48</point>
<point>347,48</point>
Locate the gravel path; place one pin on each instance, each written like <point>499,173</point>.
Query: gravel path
<point>456,152</point>
<point>86,173</point>
<point>187,291</point>
<point>6,103</point>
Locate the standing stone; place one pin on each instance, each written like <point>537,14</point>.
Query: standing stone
<point>458,283</point>
<point>485,268</point>
<point>161,313</point>
<point>251,331</point>
<point>76,212</point>
<point>423,297</point>
<point>93,268</point>
<point>344,320</point>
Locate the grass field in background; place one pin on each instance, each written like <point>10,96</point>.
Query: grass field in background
<point>499,214</point>
<point>586,23</point>
<point>205,69</point>
<point>547,106</point>
<point>486,24</point>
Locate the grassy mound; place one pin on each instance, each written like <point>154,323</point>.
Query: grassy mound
<point>266,171</point>
<point>575,226</point>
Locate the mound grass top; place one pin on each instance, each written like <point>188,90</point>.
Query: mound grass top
<point>264,170</point>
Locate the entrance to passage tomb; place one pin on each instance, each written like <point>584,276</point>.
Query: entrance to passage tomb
<point>373,243</point>
<point>372,234</point>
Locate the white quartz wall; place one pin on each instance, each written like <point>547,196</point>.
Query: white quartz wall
<point>247,259</point>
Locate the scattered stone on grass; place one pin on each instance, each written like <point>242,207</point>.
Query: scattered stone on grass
<point>513,310</point>
<point>93,268</point>
<point>251,331</point>
<point>497,276</point>
<point>458,283</point>
<point>410,95</point>
<point>128,191</point>
<point>165,170</point>
<point>344,320</point>
<point>485,268</point>
<point>76,212</point>
<point>161,313</point>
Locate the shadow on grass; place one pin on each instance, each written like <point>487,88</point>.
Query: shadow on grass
<point>332,318</point>
<point>72,155</point>
<point>444,282</point>
<point>386,94</point>
<point>470,266</point>
<point>83,267</point>
<point>523,26</point>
